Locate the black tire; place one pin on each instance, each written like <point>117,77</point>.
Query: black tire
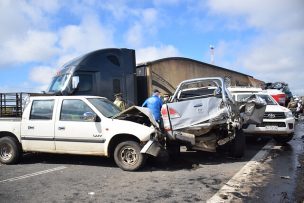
<point>127,156</point>
<point>238,144</point>
<point>9,150</point>
<point>283,139</point>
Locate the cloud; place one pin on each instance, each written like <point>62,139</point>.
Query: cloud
<point>134,36</point>
<point>89,35</point>
<point>144,27</point>
<point>274,54</point>
<point>154,53</point>
<point>42,74</point>
<point>271,14</point>
<point>34,46</point>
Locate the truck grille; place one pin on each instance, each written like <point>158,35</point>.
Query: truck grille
<point>274,115</point>
<point>279,124</point>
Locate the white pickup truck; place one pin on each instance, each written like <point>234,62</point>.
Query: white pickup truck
<point>86,125</point>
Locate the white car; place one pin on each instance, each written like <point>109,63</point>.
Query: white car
<point>278,121</point>
<point>85,125</point>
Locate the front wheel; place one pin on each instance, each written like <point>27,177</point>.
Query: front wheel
<point>9,150</point>
<point>283,139</point>
<point>127,156</point>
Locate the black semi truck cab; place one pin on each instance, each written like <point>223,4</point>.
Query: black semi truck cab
<point>103,73</point>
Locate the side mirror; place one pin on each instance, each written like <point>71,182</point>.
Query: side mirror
<point>75,82</point>
<point>89,116</point>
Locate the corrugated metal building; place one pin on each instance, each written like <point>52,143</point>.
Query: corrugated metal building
<point>165,74</point>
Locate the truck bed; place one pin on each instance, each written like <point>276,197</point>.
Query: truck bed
<point>12,104</point>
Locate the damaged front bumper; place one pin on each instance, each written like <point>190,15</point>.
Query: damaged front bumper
<point>152,147</point>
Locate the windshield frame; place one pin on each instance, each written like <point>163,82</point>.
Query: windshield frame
<point>106,112</point>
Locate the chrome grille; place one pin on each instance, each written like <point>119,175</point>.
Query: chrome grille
<point>274,115</point>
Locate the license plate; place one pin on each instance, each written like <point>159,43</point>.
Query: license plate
<point>271,127</point>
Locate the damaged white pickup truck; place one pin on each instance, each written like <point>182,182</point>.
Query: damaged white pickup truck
<point>202,115</point>
<point>78,125</point>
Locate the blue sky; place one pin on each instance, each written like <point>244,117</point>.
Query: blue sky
<point>264,39</point>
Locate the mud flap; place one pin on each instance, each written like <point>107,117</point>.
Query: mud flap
<point>152,147</point>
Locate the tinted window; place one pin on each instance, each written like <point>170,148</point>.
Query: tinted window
<point>73,110</point>
<point>42,110</point>
<point>85,83</point>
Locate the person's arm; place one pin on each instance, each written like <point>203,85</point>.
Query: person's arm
<point>144,104</point>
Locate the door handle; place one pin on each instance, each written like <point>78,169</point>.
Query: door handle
<point>198,105</point>
<point>61,128</point>
<point>30,127</point>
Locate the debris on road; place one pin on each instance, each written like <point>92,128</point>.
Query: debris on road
<point>285,177</point>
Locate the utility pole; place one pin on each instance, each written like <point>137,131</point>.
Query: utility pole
<point>211,54</point>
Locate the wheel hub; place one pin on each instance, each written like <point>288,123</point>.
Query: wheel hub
<point>5,152</point>
<point>128,155</point>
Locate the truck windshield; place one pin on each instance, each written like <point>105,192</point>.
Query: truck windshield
<point>58,83</point>
<point>104,106</point>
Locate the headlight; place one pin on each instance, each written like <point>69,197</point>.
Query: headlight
<point>288,114</point>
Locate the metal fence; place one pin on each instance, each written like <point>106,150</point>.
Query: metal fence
<point>11,104</point>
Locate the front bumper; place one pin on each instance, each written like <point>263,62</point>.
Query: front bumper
<point>271,127</point>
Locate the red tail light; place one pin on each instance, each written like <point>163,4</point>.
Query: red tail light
<point>172,112</point>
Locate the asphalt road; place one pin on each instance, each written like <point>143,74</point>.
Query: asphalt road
<point>192,177</point>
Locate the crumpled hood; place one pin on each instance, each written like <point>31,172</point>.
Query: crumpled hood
<point>137,114</point>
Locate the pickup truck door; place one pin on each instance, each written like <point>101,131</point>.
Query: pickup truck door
<point>73,134</point>
<point>37,130</point>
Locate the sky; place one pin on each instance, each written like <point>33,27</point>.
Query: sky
<point>264,39</point>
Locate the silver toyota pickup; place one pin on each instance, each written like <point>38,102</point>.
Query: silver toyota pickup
<point>202,115</point>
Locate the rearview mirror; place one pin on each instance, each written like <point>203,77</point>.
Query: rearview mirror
<point>75,82</point>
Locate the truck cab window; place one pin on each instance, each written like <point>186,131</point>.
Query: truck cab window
<point>85,83</point>
<point>42,110</point>
<point>73,110</point>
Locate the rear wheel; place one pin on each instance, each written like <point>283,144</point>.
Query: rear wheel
<point>9,150</point>
<point>128,157</point>
<point>238,144</point>
<point>283,139</point>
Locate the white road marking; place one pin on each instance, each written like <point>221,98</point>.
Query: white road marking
<point>33,174</point>
<point>223,195</point>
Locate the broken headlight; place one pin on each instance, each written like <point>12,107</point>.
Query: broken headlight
<point>288,114</point>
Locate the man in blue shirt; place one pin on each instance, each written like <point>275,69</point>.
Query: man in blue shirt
<point>154,103</point>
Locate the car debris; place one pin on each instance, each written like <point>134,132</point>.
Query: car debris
<point>278,121</point>
<point>202,115</point>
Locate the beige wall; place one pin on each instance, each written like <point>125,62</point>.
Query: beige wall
<point>173,71</point>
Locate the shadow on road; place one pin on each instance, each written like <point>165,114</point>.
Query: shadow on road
<point>187,160</point>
